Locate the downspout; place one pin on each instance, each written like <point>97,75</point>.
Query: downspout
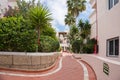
<point>96,45</point>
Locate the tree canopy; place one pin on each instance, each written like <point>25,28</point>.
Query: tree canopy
<point>75,7</point>
<point>20,28</point>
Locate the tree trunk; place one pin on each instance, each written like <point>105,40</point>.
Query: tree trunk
<point>38,36</point>
<point>38,40</point>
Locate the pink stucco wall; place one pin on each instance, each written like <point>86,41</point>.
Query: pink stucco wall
<point>108,25</point>
<point>96,62</point>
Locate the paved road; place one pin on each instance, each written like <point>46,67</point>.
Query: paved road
<point>67,69</point>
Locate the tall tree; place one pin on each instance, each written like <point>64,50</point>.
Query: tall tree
<point>10,12</point>
<point>73,34</point>
<point>85,29</point>
<point>76,6</point>
<point>24,6</point>
<point>69,20</point>
<point>21,9</point>
<point>40,17</point>
<point>79,34</point>
<point>49,31</point>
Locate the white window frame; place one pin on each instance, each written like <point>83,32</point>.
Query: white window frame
<point>108,45</point>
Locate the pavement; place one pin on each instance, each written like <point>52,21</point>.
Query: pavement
<point>67,68</point>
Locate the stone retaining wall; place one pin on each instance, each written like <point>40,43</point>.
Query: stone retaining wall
<point>27,61</point>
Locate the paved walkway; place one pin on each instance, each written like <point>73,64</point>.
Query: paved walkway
<point>68,68</point>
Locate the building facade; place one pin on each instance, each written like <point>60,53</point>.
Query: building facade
<point>4,5</point>
<point>64,43</point>
<point>92,18</point>
<point>106,27</point>
<point>105,21</point>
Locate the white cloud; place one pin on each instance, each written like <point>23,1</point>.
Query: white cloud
<point>58,9</point>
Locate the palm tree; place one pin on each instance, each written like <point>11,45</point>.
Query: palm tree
<point>84,32</point>
<point>85,29</point>
<point>70,5</point>
<point>69,20</point>
<point>73,34</point>
<point>76,6</point>
<point>40,17</point>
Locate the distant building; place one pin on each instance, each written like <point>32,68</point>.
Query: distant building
<point>4,5</point>
<point>64,43</point>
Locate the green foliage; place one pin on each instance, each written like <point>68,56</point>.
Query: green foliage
<point>15,35</point>
<point>21,28</point>
<point>48,44</point>
<point>21,9</point>
<point>24,7</point>
<point>84,28</point>
<point>49,31</point>
<point>79,37</point>
<point>69,20</point>
<point>40,18</point>
<point>74,9</point>
<point>73,34</point>
<point>76,46</point>
<point>76,6</point>
<point>89,46</point>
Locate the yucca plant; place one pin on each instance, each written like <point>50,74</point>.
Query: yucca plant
<point>40,18</point>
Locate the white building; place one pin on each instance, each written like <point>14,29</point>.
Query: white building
<point>64,43</point>
<point>105,21</point>
<point>106,27</point>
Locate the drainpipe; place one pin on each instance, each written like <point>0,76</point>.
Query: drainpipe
<point>96,45</point>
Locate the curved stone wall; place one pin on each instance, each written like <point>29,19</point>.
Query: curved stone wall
<point>27,61</point>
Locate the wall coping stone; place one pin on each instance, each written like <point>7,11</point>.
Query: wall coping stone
<point>29,53</point>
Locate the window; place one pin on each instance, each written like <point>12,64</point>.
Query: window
<point>112,3</point>
<point>113,47</point>
<point>116,1</point>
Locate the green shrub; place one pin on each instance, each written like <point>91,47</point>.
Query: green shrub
<point>76,46</point>
<point>89,46</point>
<point>48,44</point>
<point>16,34</point>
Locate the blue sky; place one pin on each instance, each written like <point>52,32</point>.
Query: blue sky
<point>58,9</point>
